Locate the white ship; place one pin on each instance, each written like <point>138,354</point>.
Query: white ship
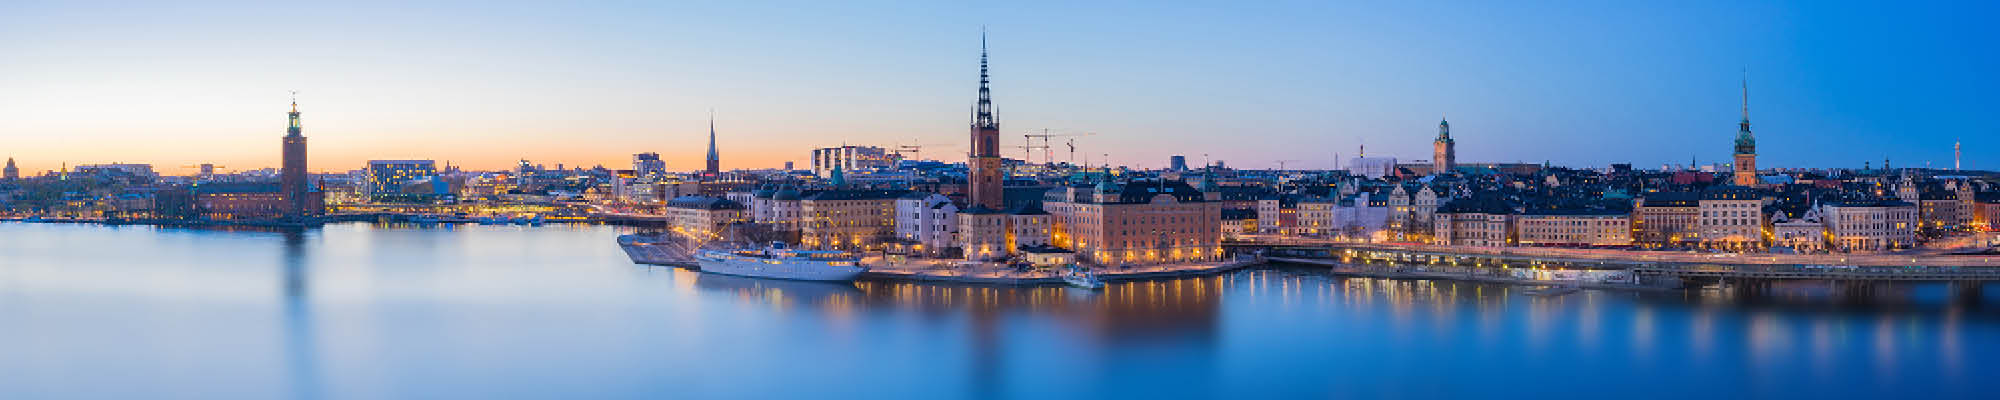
<point>780,262</point>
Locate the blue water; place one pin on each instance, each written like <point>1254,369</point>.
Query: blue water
<point>371,311</point>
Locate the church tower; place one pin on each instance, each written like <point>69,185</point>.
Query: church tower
<point>292,174</point>
<point>1444,152</point>
<point>714,168</point>
<point>1746,145</point>
<point>983,178</point>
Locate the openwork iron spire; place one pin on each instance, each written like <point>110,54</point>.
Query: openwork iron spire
<point>982,114</point>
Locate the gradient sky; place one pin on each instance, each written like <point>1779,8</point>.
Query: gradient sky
<point>482,84</point>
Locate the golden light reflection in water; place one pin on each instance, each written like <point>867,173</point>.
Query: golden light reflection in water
<point>1766,340</point>
<point>1714,322</point>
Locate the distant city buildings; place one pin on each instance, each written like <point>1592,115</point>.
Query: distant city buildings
<point>648,165</point>
<point>1371,167</point>
<point>143,171</point>
<point>991,209</point>
<point>851,159</point>
<point>404,181</point>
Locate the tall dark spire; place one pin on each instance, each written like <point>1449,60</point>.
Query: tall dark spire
<point>983,167</point>
<point>982,113</point>
<point>1746,97</point>
<point>714,161</point>
<point>1746,142</point>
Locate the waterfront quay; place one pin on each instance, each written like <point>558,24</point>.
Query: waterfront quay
<point>1618,269</point>
<point>952,271</point>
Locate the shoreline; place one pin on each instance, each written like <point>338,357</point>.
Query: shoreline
<point>1335,268</point>
<point>1195,270</point>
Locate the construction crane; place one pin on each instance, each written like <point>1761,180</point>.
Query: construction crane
<point>204,169</point>
<point>1028,151</point>
<point>1048,151</point>
<point>916,151</point>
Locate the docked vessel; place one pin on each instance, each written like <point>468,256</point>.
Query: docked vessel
<point>657,249</point>
<point>1080,277</point>
<point>1552,291</point>
<point>780,262</point>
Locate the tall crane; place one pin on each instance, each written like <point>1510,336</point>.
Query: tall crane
<point>204,169</point>
<point>1048,152</point>
<point>916,150</point>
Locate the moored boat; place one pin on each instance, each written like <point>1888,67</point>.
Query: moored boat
<point>1552,291</point>
<point>778,261</point>
<point>1080,277</point>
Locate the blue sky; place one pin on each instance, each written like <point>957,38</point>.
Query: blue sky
<point>481,84</point>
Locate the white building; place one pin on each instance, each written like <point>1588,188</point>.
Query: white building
<point>777,207</point>
<point>1372,167</point>
<point>852,159</point>
<point>1871,225</point>
<point>929,220</point>
<point>1805,232</point>
<point>1360,216</point>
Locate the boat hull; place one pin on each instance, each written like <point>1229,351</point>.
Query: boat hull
<point>798,270</point>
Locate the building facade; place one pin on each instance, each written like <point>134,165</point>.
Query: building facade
<point>1574,228</point>
<point>845,219</point>
<point>1871,225</point>
<point>1732,217</point>
<point>851,160</point>
<point>1137,222</point>
<point>703,218</point>
<point>1475,221</point>
<point>1666,219</point>
<point>1803,232</point>
<point>927,220</point>
<point>648,165</point>
<point>387,177</point>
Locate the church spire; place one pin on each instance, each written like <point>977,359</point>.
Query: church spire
<point>714,161</point>
<point>982,113</point>
<point>1746,98</point>
<point>1746,142</point>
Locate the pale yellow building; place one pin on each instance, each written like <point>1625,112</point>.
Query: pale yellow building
<point>847,219</point>
<point>1138,222</point>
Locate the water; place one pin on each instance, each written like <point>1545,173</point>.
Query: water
<point>367,311</point>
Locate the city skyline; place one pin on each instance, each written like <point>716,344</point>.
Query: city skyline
<point>488,93</point>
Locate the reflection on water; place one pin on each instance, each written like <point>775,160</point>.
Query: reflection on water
<point>369,311</point>
<point>298,319</point>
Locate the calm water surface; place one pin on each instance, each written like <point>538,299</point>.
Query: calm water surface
<point>370,311</point>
